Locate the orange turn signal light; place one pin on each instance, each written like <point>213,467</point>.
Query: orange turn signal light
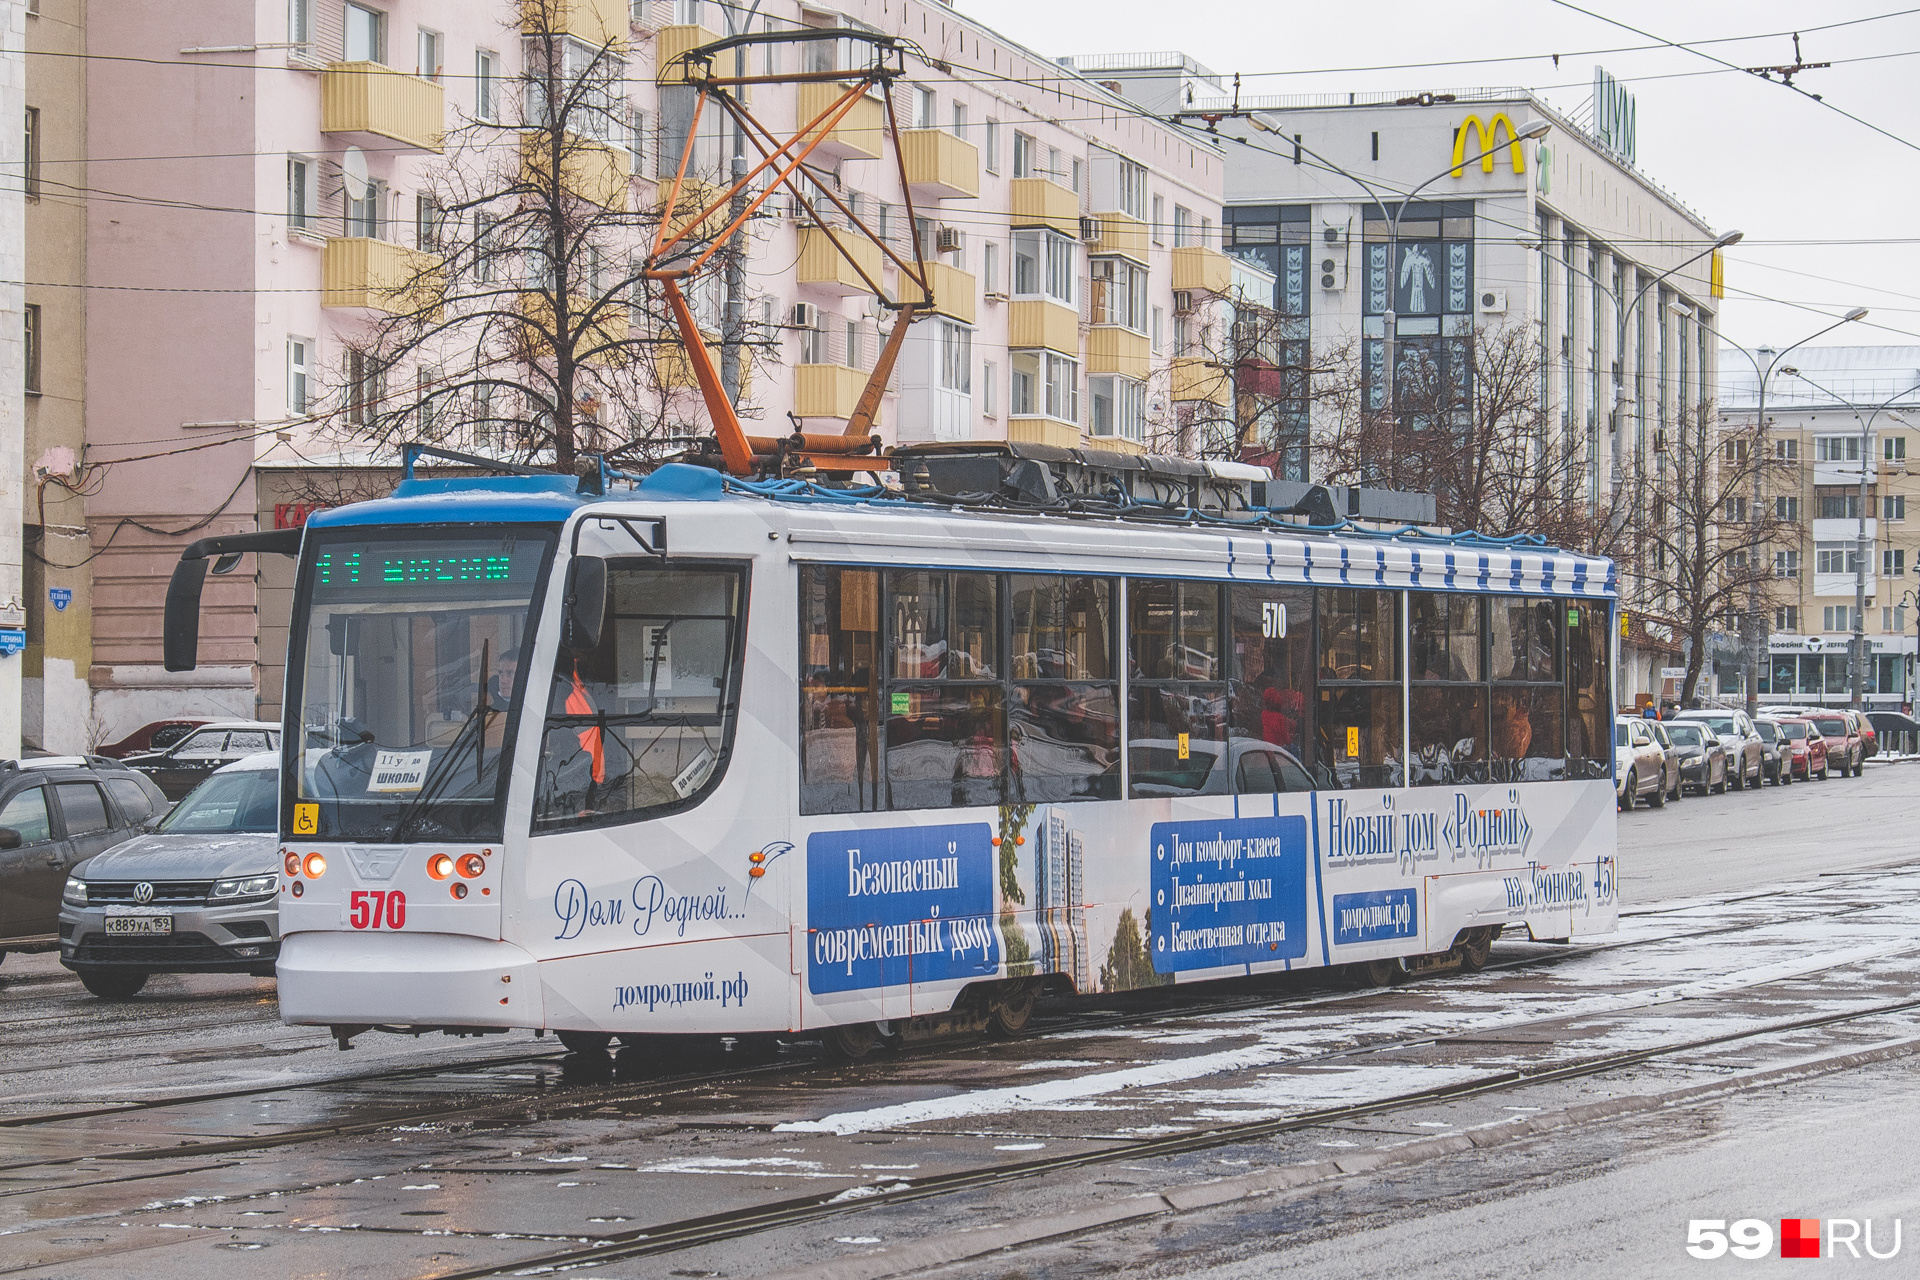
<point>440,866</point>
<point>471,865</point>
<point>315,866</point>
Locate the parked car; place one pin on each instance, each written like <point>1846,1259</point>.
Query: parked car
<point>155,736</point>
<point>1669,760</point>
<point>55,813</point>
<point>1746,754</point>
<point>197,895</point>
<point>1639,763</point>
<point>1703,761</point>
<point>1806,748</point>
<point>183,766</point>
<point>1896,732</point>
<point>1845,751</point>
<point>1776,757</point>
<point>1869,738</point>
<point>1247,766</point>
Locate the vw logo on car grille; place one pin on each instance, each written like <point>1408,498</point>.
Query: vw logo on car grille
<point>143,892</point>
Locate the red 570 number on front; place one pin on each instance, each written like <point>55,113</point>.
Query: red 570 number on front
<point>377,908</point>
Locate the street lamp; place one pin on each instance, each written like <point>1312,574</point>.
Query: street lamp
<point>1856,674</point>
<point>1913,597</point>
<point>1755,623</point>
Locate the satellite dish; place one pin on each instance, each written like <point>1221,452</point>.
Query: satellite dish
<point>353,168</point>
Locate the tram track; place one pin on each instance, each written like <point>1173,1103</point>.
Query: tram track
<point>692,1233</point>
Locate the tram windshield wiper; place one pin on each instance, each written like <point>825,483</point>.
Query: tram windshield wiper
<point>442,774</point>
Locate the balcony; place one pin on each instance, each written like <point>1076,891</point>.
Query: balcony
<point>375,106</point>
<point>826,390</point>
<point>1199,268</point>
<point>1116,444</point>
<point>674,41</point>
<point>858,135</point>
<point>825,267</point>
<point>939,165</point>
<point>610,325</point>
<point>1121,234</point>
<point>695,195</point>
<point>1112,349</point>
<point>1038,202</point>
<point>1844,472</point>
<point>356,271</point>
<point>1196,378</point>
<point>1052,431</point>
<point>1039,323</point>
<point>591,170</point>
<point>596,22</point>
<point>954,292</point>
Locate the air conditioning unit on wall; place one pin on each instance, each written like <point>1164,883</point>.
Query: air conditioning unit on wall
<point>806,315</point>
<point>1331,256</point>
<point>1493,302</point>
<point>948,241</point>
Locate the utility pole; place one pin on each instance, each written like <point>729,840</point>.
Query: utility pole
<point>733,324</point>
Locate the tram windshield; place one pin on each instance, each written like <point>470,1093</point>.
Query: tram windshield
<point>408,683</point>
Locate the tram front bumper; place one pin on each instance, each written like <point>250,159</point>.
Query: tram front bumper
<point>406,979</point>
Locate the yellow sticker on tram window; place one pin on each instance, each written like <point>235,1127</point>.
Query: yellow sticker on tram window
<point>1353,740</point>
<point>1183,746</point>
<point>306,819</point>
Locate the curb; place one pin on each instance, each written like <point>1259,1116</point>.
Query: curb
<point>959,1246</point>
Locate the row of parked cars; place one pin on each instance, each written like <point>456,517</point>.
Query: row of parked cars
<point>1710,751</point>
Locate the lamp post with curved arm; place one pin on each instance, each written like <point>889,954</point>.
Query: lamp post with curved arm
<point>1756,627</point>
<point>1856,667</point>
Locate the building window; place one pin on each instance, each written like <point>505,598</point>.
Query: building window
<point>1045,384</point>
<point>1839,617</point>
<point>1736,510</point>
<point>993,145</point>
<point>1734,451</point>
<point>363,388</point>
<point>989,389</point>
<point>990,266</point>
<point>1893,506</point>
<point>428,48</point>
<point>1786,564</point>
<point>1836,557</point>
<point>687,13</point>
<point>1119,294</point>
<point>363,213</point>
<point>486,85</point>
<point>1836,449</point>
<point>1786,450</point>
<point>1130,186</point>
<point>32,352</point>
<point>1893,563</point>
<point>1787,509</point>
<point>1786,618</point>
<point>299,193</point>
<point>960,120</point>
<point>924,107</point>
<point>366,34</point>
<point>1119,407</point>
<point>1079,174</point>
<point>427,220</point>
<point>300,21</point>
<point>813,345</point>
<point>1893,619</point>
<point>299,371</point>
<point>1159,331</point>
<point>1043,266</point>
<point>1182,225</point>
<point>32,153</point>
<point>1894,448</point>
<point>1838,504</point>
<point>954,369</point>
<point>1159,220</point>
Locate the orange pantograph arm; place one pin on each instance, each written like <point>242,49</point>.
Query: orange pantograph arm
<point>726,423</point>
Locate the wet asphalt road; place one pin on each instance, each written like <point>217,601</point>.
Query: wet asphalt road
<point>443,1157</point>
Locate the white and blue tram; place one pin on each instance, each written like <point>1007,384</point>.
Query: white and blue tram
<point>705,756</point>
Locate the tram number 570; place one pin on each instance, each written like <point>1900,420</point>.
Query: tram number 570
<point>1273,620</point>
<point>374,907</point>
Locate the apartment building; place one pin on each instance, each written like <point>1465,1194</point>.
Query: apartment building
<point>1839,409</point>
<point>261,234</point>
<point>1556,238</point>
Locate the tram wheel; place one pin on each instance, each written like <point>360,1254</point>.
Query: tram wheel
<point>1372,973</point>
<point>1475,948</point>
<point>1009,1011</point>
<point>854,1042</point>
<point>585,1041</point>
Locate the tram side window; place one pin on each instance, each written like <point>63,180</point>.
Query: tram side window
<point>1525,650</point>
<point>1449,696</point>
<point>1177,699</point>
<point>1358,717</point>
<point>1064,718</point>
<point>945,708</point>
<point>643,722</point>
<point>839,690</point>
<point>1589,691</point>
<point>1271,686</point>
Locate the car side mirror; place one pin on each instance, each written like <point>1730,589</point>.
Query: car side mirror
<point>10,838</point>
<point>586,602</point>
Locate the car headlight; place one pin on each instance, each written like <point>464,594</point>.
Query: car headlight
<point>75,894</point>
<point>246,887</point>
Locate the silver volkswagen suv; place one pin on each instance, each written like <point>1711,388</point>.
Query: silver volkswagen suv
<point>197,895</point>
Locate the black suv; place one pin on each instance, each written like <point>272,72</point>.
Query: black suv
<point>55,813</point>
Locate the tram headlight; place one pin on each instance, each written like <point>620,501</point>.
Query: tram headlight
<point>471,866</point>
<point>440,866</point>
<point>315,866</point>
<point>293,864</point>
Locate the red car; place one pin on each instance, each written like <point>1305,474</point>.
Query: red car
<point>1844,745</point>
<point>1806,747</point>
<point>157,736</point>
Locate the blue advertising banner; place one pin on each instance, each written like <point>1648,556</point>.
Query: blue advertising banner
<point>900,904</point>
<point>1375,917</point>
<point>1229,891</point>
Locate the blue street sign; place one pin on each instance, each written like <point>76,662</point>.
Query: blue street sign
<point>61,597</point>
<point>12,640</point>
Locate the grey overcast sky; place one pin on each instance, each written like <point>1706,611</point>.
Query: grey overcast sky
<point>1740,152</point>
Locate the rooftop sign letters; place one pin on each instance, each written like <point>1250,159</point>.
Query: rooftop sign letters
<point>1483,140</point>
<point>1614,117</point>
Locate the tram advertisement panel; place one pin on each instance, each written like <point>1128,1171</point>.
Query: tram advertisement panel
<point>892,905</point>
<point>1228,892</point>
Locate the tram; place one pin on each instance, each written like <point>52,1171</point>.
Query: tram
<point>700,755</point>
